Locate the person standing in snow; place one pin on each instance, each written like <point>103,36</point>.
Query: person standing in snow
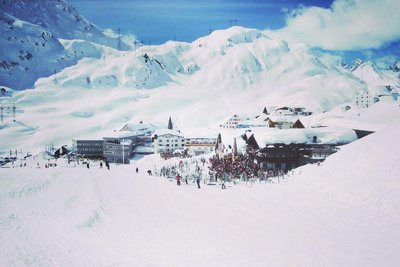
<point>223,185</point>
<point>137,169</point>
<point>198,181</point>
<point>101,165</point>
<point>178,180</point>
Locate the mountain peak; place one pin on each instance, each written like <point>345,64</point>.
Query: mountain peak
<point>357,63</point>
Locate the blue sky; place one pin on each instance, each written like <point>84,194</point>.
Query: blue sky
<point>158,21</point>
<point>352,28</point>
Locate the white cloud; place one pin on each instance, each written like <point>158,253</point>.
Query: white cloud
<point>347,25</point>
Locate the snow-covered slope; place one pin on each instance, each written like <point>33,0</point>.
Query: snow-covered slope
<point>59,18</point>
<point>30,33</point>
<point>344,212</point>
<point>375,78</point>
<point>28,52</point>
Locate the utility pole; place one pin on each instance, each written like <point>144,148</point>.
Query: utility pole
<point>14,111</point>
<point>119,40</point>
<point>55,77</point>
<point>1,112</point>
<point>142,46</point>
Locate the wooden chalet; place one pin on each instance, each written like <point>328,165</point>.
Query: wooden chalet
<point>289,149</point>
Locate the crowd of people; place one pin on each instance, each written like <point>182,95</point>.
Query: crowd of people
<point>216,170</point>
<point>228,168</point>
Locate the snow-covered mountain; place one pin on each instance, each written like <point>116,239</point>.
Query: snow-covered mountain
<point>30,40</point>
<point>59,18</point>
<point>199,84</point>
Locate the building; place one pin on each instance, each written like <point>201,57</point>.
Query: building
<point>287,149</point>
<point>200,145</point>
<point>167,141</point>
<point>63,150</point>
<point>320,152</point>
<point>284,111</point>
<point>251,124</point>
<point>91,148</point>
<point>115,147</point>
<point>233,122</point>
<point>363,98</point>
<point>283,122</point>
<point>143,133</point>
<point>231,141</point>
<point>118,149</point>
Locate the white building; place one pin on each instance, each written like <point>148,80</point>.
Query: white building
<point>233,122</point>
<point>363,98</point>
<point>200,145</point>
<point>167,141</point>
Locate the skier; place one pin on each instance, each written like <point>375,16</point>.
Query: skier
<point>101,165</point>
<point>178,179</point>
<point>108,165</point>
<point>137,169</point>
<point>87,165</point>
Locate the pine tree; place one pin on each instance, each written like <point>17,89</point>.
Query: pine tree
<point>265,111</point>
<point>170,125</point>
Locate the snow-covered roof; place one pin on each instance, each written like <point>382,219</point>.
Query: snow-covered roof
<point>252,123</point>
<point>143,149</point>
<point>138,127</point>
<point>326,135</point>
<point>120,134</point>
<point>162,132</point>
<point>126,142</point>
<point>287,119</point>
<point>228,137</point>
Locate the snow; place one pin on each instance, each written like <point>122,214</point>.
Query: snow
<point>326,135</point>
<point>343,212</point>
<point>162,132</point>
